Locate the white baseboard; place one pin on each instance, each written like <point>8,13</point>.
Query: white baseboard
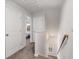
<point>52,54</point>
<point>13,51</point>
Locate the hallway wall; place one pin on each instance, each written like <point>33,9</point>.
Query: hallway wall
<point>15,27</point>
<point>39,35</point>
<point>52,26</point>
<point>66,27</point>
<point>48,22</point>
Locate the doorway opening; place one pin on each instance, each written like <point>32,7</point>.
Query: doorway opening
<point>29,39</point>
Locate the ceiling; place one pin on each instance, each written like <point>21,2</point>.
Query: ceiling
<point>37,5</point>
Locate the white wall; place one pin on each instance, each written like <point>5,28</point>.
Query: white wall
<point>15,27</point>
<point>67,51</point>
<point>66,26</point>
<point>39,23</point>
<point>39,35</point>
<point>52,20</point>
<point>47,21</point>
<point>52,26</point>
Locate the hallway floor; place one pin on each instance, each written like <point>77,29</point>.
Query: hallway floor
<point>27,53</point>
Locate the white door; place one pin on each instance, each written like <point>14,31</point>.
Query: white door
<point>9,40</point>
<point>15,29</point>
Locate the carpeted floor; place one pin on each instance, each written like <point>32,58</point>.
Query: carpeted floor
<point>27,53</point>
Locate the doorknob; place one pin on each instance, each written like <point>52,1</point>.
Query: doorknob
<point>6,35</point>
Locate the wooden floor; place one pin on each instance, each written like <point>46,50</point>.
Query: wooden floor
<point>27,53</point>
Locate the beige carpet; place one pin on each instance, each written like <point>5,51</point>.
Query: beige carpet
<point>26,53</point>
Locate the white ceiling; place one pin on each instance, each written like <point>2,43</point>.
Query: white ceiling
<point>37,5</point>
